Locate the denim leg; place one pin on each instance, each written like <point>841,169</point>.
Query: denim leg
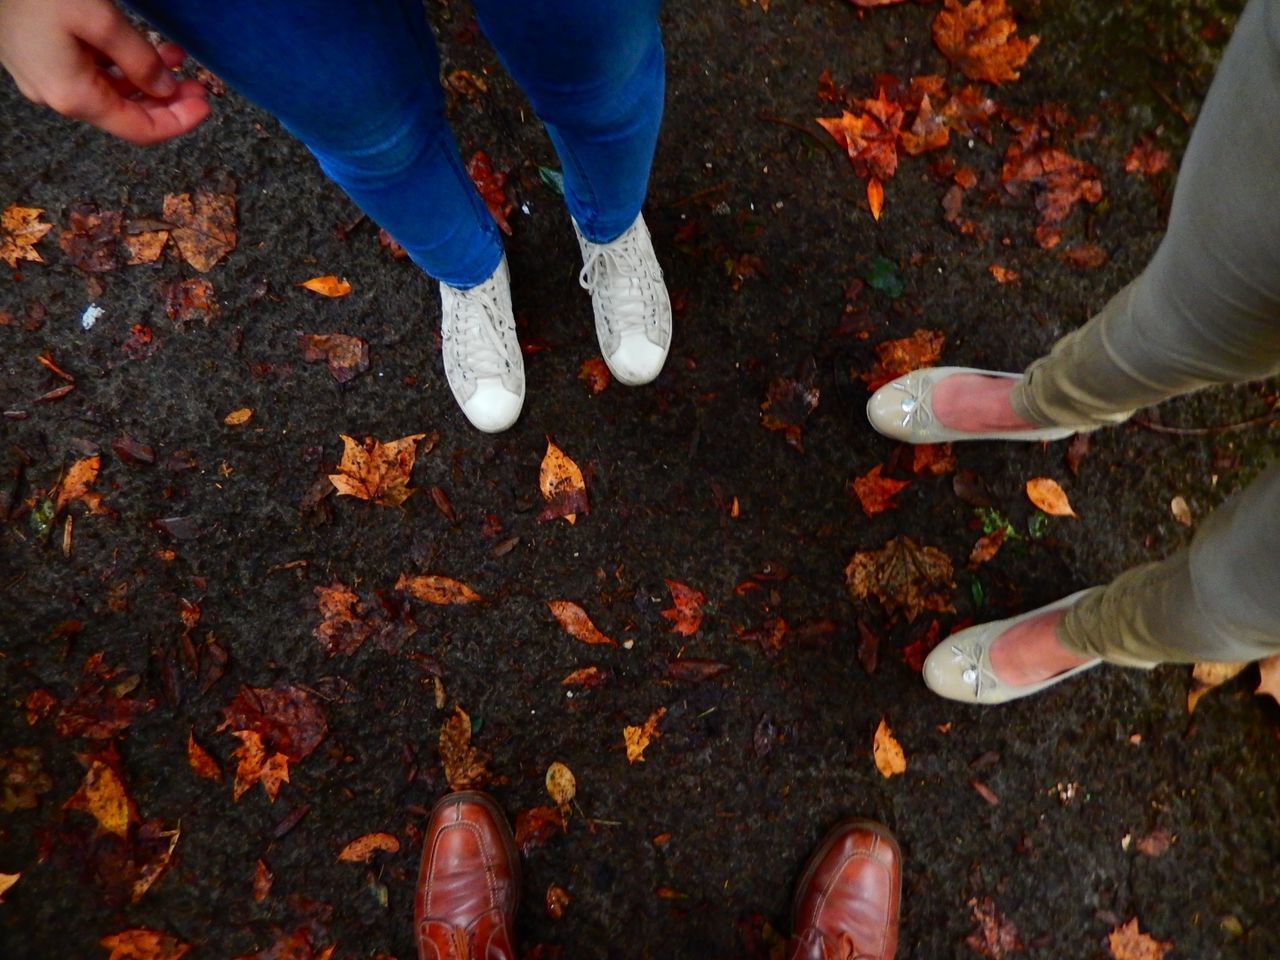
<point>358,84</point>
<point>595,73</point>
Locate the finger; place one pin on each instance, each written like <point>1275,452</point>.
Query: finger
<point>109,33</point>
<point>142,121</point>
<point>171,54</point>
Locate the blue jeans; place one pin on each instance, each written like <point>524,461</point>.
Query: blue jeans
<point>357,81</point>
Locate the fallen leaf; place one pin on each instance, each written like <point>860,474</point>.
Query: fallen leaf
<point>576,622</point>
<point>188,300</point>
<point>586,677</point>
<point>1077,450</point>
<point>91,240</point>
<point>150,871</point>
<point>143,944</point>
<point>7,880</point>
<point>347,357</point>
<point>327,286</point>
<point>986,547</point>
<point>276,726</point>
<point>1145,158</point>
<point>636,739</point>
<point>254,765</point>
<point>985,792</point>
<point>536,826</point>
<point>594,372</point>
<point>343,628</point>
<point>890,760</point>
<point>876,492</point>
<point>694,669</point>
<point>1207,676</point>
<point>786,407</point>
<point>204,229</point>
<point>869,138</point>
<point>1045,493</point>
<point>562,486</point>
<point>896,357</point>
<point>491,186</point>
<point>103,796</point>
<point>262,881</point>
<point>238,418</point>
<point>1086,256</point>
<point>996,936</point>
<point>1156,843</point>
<point>77,486</point>
<point>686,615</point>
<point>465,766</point>
<point>561,785</point>
<point>377,471</point>
<point>20,231</point>
<point>22,780</point>
<point>100,708</point>
<point>1181,512</point>
<point>144,240</point>
<point>201,761</point>
<point>1003,275</point>
<point>929,130</point>
<point>1057,180</point>
<point>557,899</point>
<point>905,577</point>
<point>362,849</point>
<point>875,198</point>
<point>978,39</point>
<point>932,459</point>
<point>1269,678</point>
<point>1127,942</point>
<point>441,591</point>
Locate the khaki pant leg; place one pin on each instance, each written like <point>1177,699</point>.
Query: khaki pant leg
<point>1207,308</point>
<point>1219,599</point>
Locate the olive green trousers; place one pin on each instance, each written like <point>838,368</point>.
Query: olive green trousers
<point>1205,311</point>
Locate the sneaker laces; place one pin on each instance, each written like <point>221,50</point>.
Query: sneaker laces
<point>620,271</point>
<point>477,335</point>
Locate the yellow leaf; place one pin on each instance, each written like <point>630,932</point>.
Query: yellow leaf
<point>7,880</point>
<point>438,590</point>
<point>1207,676</point>
<point>875,197</point>
<point>1049,497</point>
<point>20,231</point>
<point>562,485</point>
<point>362,849</point>
<point>1127,942</point>
<point>637,739</point>
<point>890,760</point>
<point>327,286</point>
<point>102,795</point>
<point>237,418</point>
<point>561,784</point>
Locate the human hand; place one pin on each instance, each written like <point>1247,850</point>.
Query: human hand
<point>84,59</point>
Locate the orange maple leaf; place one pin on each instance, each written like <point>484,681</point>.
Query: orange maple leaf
<point>253,765</point>
<point>978,38</point>
<point>77,486</point>
<point>686,615</point>
<point>875,492</point>
<point>143,944</point>
<point>20,231</point>
<point>870,138</point>
<point>204,228</point>
<point>377,471</point>
<point>1127,942</point>
<point>896,357</point>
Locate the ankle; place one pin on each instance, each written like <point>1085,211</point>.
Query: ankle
<point>977,403</point>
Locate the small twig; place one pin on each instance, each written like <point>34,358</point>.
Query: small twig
<point>1168,102</point>
<point>799,129</point>
<point>1272,417</point>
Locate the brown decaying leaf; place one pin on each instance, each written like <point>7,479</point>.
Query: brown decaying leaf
<point>347,357</point>
<point>238,418</point>
<point>985,792</point>
<point>142,244</point>
<point>144,944</point>
<point>1058,180</point>
<point>201,761</point>
<point>377,471</point>
<point>594,372</point>
<point>1208,676</point>
<point>204,228</point>
<point>905,577</point>
<point>150,872</point>
<point>786,407</point>
<point>686,614</point>
<point>1086,256</point>
<point>562,486</point>
<point>188,300</point>
<point>263,878</point>
<point>100,707</point>
<point>1269,678</point>
<point>276,726</point>
<point>20,231</point>
<point>576,622</point>
<point>586,677</point>
<point>978,38</point>
<point>876,493</point>
<point>887,752</point>
<point>536,826</point>
<point>562,786</point>
<point>1127,942</point>
<point>77,486</point>
<point>465,767</point>
<point>996,937</point>
<point>694,669</point>
<point>896,357</point>
<point>431,588</point>
<point>91,239</point>
<point>342,628</point>
<point>1046,494</point>
<point>986,548</point>
<point>362,849</point>
<point>557,900</point>
<point>254,765</point>
<point>491,184</point>
<point>103,796</point>
<point>327,286</point>
<point>636,739</point>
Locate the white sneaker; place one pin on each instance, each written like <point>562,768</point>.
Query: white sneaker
<point>633,311</point>
<point>482,360</point>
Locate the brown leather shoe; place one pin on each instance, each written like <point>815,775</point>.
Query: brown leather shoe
<point>846,904</point>
<point>469,882</point>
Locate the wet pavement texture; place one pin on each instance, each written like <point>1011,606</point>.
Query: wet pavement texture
<point>753,766</point>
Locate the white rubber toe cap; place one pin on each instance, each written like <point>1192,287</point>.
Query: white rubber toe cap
<point>493,408</point>
<point>638,360</point>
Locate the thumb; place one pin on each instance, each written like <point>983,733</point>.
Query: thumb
<point>107,30</point>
